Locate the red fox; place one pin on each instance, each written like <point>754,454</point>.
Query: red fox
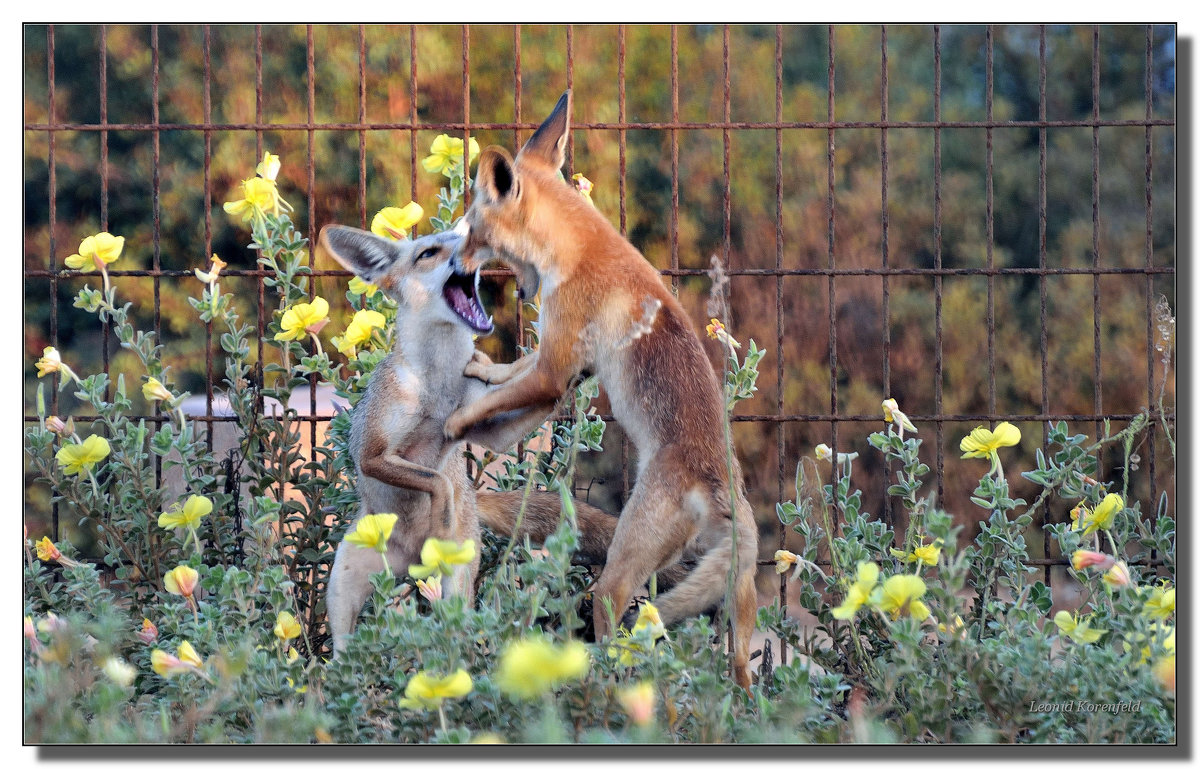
<point>605,311</point>
<point>405,465</point>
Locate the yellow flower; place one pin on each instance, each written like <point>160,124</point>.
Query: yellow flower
<point>259,195</point>
<point>155,390</point>
<point>431,588</point>
<point>447,154</point>
<point>440,556</point>
<point>269,167</point>
<point>59,427</point>
<point>96,251</point>
<point>1099,519</point>
<point>213,272</point>
<point>359,331</point>
<point>358,287</point>
<point>303,318</point>
<point>784,560</point>
<point>866,576</point>
<point>50,362</point>
<point>823,452</point>
<point>892,413</point>
<point>169,665</point>
<point>925,554</point>
<point>1164,672</point>
<point>372,531</point>
<point>148,633</point>
<point>427,692</point>
<point>79,458</point>
<point>638,702</point>
<point>1118,575</point>
<point>1082,559</point>
<point>716,330</point>
<point>181,580</point>
<point>394,223</point>
<point>955,628</point>
<point>584,185</point>
<point>46,550</point>
<point>189,515</point>
<point>532,666</point>
<point>649,621</point>
<point>1161,603</point>
<point>286,627</point>
<point>983,443</point>
<point>119,671</point>
<point>901,594</point>
<point>1078,630</point>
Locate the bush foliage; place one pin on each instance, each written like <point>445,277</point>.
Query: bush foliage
<point>204,620</point>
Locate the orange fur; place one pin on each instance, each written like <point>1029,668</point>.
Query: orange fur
<point>606,311</point>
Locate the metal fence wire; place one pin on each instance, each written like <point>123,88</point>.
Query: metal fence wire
<point>977,221</point>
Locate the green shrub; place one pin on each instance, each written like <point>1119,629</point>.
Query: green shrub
<point>204,621</point>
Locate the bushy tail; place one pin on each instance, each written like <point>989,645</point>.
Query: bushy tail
<point>499,511</point>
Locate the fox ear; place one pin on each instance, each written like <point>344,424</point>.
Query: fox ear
<point>496,178</point>
<point>365,254</point>
<point>549,141</point>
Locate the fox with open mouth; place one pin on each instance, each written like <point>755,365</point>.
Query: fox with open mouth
<point>405,464</point>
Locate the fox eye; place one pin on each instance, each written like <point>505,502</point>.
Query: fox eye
<point>427,253</point>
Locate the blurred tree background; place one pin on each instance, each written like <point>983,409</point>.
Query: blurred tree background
<point>906,196</point>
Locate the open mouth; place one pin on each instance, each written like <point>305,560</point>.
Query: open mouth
<point>462,295</point>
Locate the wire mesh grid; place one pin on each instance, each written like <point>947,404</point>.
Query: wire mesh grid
<point>835,274</point>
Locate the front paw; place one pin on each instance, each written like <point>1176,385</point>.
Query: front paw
<point>455,427</point>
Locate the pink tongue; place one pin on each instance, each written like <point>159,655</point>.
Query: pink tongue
<point>468,310</point>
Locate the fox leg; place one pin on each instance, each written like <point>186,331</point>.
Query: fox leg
<point>534,390</point>
<point>350,584</point>
<point>655,527</point>
<point>481,367</point>
<point>394,470</point>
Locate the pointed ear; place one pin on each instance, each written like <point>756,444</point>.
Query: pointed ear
<point>496,179</point>
<point>365,254</point>
<point>549,141</point>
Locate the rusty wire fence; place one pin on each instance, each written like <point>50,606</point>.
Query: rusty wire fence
<point>887,203</point>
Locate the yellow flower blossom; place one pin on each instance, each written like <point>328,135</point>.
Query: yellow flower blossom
<point>1101,518</point>
<point>1078,630</point>
<point>823,453</point>
<point>925,554</point>
<point>181,580</point>
<point>716,330</point>
<point>1117,575</point>
<point>394,223</point>
<point>866,577</point>
<point>440,556</point>
<point>168,665</point>
<point>189,655</point>
<point>372,531</point>
<point>1161,602</point>
<point>983,443</point>
<point>358,287</point>
<point>359,332</point>
<point>638,702</point>
<point>534,665</point>
<point>901,594</point>
<point>96,252</point>
<point>956,627</point>
<point>79,458</point>
<point>49,363</point>
<point>259,196</point>
<point>148,633</point>
<point>431,588</point>
<point>119,671</point>
<point>190,515</point>
<point>1082,559</point>
<point>446,153</point>
<point>46,550</point>
<point>1164,672</point>
<point>154,390</point>
<point>584,185</point>
<point>286,627</point>
<point>268,168</point>
<point>892,413</point>
<point>426,691</point>
<point>213,272</point>
<point>303,318</point>
<point>784,560</point>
